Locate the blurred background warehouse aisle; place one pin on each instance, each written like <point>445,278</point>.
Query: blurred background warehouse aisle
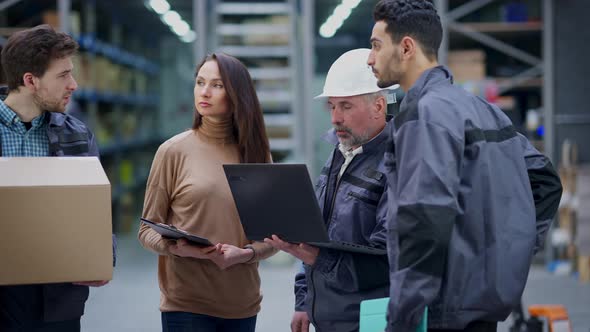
<point>135,73</point>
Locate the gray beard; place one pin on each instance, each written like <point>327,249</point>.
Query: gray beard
<point>355,141</point>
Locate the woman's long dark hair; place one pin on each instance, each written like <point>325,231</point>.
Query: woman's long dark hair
<point>248,122</point>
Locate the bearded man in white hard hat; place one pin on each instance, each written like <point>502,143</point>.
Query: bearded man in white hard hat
<point>352,196</point>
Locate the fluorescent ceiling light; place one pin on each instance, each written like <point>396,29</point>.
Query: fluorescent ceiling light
<point>342,12</point>
<point>327,31</point>
<point>180,28</point>
<point>171,17</point>
<point>189,37</point>
<point>351,3</point>
<point>160,6</point>
<point>339,15</point>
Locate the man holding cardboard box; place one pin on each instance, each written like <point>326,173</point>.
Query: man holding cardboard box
<point>38,71</point>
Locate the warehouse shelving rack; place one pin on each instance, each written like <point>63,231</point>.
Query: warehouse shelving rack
<point>467,23</point>
<point>124,121</point>
<point>275,41</point>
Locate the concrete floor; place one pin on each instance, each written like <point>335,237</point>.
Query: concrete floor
<point>130,301</point>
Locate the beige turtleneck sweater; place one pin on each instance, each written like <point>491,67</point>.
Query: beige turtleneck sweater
<point>187,188</point>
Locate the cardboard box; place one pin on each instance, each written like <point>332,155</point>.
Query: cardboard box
<point>51,17</point>
<point>467,65</point>
<point>55,220</point>
<point>467,56</point>
<point>584,268</point>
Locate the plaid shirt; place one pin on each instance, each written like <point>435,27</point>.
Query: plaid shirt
<point>17,141</point>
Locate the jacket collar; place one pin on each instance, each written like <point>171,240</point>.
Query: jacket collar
<point>429,77</point>
<point>56,119</point>
<point>3,92</point>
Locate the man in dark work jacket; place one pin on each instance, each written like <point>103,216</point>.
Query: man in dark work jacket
<point>38,72</point>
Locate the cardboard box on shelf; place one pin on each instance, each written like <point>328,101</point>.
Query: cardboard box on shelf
<point>125,81</point>
<point>582,236</point>
<point>584,268</point>
<point>82,71</point>
<point>140,83</point>
<point>129,213</point>
<point>279,132</point>
<point>279,37</point>
<point>101,68</point>
<point>56,220</point>
<point>467,56</point>
<point>467,65</point>
<point>107,75</point>
<point>51,17</point>
<point>567,221</point>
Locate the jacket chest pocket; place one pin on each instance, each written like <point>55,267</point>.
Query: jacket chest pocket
<point>363,198</point>
<point>368,187</point>
<point>320,187</point>
<point>73,144</point>
<point>75,149</point>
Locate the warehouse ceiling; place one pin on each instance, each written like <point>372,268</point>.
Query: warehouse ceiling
<point>137,19</point>
<point>354,33</point>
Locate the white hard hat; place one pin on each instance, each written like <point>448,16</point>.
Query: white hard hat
<point>350,75</point>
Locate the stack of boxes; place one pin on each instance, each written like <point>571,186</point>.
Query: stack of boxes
<point>571,237</point>
<point>467,65</point>
<point>581,241</point>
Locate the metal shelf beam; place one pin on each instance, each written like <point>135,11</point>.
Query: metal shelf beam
<point>252,29</point>
<point>495,43</point>
<point>7,3</point>
<point>253,8</point>
<point>548,84</point>
<point>466,9</point>
<point>521,78</point>
<point>269,73</point>
<point>256,51</point>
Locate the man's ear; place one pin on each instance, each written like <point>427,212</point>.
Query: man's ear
<point>31,82</point>
<point>408,47</point>
<point>380,107</point>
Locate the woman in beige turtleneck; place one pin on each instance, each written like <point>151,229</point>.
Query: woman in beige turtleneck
<point>215,288</point>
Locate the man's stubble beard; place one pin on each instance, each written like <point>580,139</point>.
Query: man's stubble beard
<point>390,76</point>
<point>45,105</point>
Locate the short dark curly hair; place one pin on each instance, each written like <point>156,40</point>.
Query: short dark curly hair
<point>32,50</point>
<point>415,18</point>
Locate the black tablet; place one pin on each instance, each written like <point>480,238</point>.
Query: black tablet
<point>171,232</point>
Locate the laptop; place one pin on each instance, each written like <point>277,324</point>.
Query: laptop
<point>280,199</point>
<point>171,232</point>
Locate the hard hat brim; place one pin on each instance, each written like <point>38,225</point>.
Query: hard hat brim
<point>325,94</point>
